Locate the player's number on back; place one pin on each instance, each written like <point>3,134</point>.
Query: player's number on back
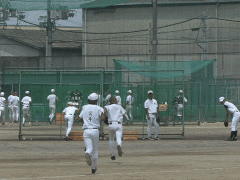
<point>90,114</point>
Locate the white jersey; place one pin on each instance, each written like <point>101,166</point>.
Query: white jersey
<point>231,107</point>
<point>2,99</point>
<point>151,105</point>
<point>52,98</point>
<point>129,100</point>
<point>15,101</point>
<point>10,98</point>
<point>115,113</point>
<point>69,111</point>
<point>185,100</point>
<point>26,100</point>
<point>119,100</point>
<point>91,115</point>
<point>107,100</point>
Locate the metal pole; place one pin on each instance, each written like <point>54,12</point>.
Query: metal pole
<point>204,38</point>
<point>49,37</point>
<point>154,31</point>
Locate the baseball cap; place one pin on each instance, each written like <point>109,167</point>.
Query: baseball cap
<point>150,92</point>
<point>180,91</point>
<point>129,91</point>
<point>52,90</point>
<point>2,94</point>
<point>27,92</point>
<point>93,97</point>
<point>221,99</point>
<point>70,103</point>
<point>117,91</point>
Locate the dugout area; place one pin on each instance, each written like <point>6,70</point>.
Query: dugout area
<point>163,77</point>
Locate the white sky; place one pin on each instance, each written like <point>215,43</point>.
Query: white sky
<point>32,16</point>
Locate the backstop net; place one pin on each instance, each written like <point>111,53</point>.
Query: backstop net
<point>165,79</point>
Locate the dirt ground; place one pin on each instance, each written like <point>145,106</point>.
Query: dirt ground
<point>202,154</point>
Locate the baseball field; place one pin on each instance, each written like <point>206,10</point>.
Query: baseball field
<point>202,154</point>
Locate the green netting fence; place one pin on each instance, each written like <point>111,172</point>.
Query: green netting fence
<point>30,5</point>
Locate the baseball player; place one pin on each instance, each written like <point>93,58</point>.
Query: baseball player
<point>68,113</point>
<point>115,114</point>
<point>231,108</point>
<point>2,107</point>
<point>119,100</point>
<point>26,103</point>
<point>128,105</point>
<point>179,103</point>
<point>10,107</point>
<point>15,104</point>
<point>151,107</point>
<point>91,116</point>
<point>52,98</point>
<point>107,102</point>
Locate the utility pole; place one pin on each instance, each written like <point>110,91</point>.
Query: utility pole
<point>205,43</point>
<point>49,37</point>
<point>154,31</point>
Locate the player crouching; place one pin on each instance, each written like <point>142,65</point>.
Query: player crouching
<point>115,114</point>
<point>91,116</point>
<point>231,108</point>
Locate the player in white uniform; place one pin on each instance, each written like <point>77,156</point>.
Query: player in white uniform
<point>2,107</point>
<point>68,113</point>
<point>180,100</point>
<point>119,100</point>
<point>10,106</point>
<point>151,107</point>
<point>52,98</point>
<point>115,114</point>
<point>91,116</point>
<point>128,106</point>
<point>15,104</point>
<point>107,99</point>
<point>231,108</point>
<point>26,103</point>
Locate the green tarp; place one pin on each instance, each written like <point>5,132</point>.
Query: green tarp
<point>163,69</point>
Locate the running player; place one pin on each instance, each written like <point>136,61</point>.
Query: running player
<point>231,108</point>
<point>68,113</point>
<point>26,103</point>
<point>2,107</point>
<point>15,104</point>
<point>52,98</point>
<point>151,107</point>
<point>119,100</point>
<point>10,106</point>
<point>107,102</point>
<point>91,116</point>
<point>128,106</point>
<point>115,115</point>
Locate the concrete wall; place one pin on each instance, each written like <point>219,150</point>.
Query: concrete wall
<point>177,42</point>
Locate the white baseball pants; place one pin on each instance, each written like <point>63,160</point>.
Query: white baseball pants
<point>69,123</point>
<point>235,121</point>
<point>52,112</point>
<point>10,110</point>
<point>152,122</point>
<point>115,128</point>
<point>15,113</point>
<point>180,110</point>
<point>26,112</point>
<point>2,114</point>
<point>129,112</point>
<point>91,139</point>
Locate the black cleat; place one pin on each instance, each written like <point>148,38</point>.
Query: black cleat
<point>94,170</point>
<point>23,125</point>
<point>119,150</point>
<point>113,158</point>
<point>88,159</point>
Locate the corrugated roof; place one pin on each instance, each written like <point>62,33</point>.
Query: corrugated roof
<point>37,37</point>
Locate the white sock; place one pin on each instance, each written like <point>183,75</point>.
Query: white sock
<point>94,163</point>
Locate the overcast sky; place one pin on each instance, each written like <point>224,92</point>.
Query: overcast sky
<point>32,16</point>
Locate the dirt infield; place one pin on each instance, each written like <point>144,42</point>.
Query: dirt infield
<point>203,154</point>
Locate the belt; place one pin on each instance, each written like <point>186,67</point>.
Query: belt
<point>90,128</point>
<point>69,114</point>
<point>112,122</point>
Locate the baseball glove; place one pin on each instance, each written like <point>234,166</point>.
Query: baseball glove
<point>158,119</point>
<point>225,123</point>
<point>106,121</point>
